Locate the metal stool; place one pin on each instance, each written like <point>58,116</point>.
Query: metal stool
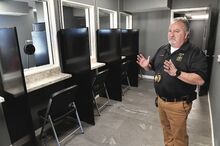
<point>99,87</point>
<point>61,104</point>
<point>124,76</point>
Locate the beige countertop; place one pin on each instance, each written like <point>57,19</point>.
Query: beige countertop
<point>95,65</point>
<point>44,78</point>
<point>50,76</point>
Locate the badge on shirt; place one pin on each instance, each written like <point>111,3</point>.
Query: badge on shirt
<point>179,57</point>
<point>157,78</point>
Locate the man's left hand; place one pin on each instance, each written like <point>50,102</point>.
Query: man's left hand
<point>169,67</point>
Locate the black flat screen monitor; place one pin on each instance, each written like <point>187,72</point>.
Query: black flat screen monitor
<point>126,42</point>
<point>12,78</point>
<point>74,45</point>
<point>108,45</point>
<point>135,38</point>
<point>129,42</point>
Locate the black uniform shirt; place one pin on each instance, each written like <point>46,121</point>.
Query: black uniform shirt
<point>187,58</point>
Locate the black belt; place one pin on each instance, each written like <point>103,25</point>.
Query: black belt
<point>183,98</point>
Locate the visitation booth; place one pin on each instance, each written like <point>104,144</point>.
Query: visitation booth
<point>130,48</point>
<point>112,45</point>
<point>75,60</point>
<point>108,51</point>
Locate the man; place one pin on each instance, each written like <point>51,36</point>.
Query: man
<point>179,66</point>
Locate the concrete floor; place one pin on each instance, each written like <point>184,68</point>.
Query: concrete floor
<point>135,122</point>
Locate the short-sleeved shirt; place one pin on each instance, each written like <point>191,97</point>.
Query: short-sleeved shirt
<point>188,58</point>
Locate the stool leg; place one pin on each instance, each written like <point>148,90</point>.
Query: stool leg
<point>141,74</point>
<point>42,129</point>
<point>129,85</point>
<point>106,92</point>
<point>78,119</point>
<point>54,131</point>
<point>94,100</point>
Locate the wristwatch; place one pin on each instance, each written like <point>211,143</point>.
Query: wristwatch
<point>178,72</point>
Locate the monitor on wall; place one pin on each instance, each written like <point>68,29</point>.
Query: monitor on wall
<point>41,55</point>
<point>74,47</point>
<point>39,38</point>
<point>108,45</point>
<point>11,70</point>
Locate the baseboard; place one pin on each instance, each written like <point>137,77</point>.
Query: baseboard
<point>211,121</point>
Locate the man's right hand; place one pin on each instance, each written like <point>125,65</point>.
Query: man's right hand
<point>143,62</point>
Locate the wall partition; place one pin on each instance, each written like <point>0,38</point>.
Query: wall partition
<point>12,87</point>
<point>77,48</point>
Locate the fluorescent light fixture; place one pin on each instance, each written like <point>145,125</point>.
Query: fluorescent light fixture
<point>200,17</point>
<point>14,8</point>
<point>12,13</point>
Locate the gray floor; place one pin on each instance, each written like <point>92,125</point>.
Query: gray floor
<point>135,122</point>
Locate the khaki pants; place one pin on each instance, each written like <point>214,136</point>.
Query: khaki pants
<point>173,116</point>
